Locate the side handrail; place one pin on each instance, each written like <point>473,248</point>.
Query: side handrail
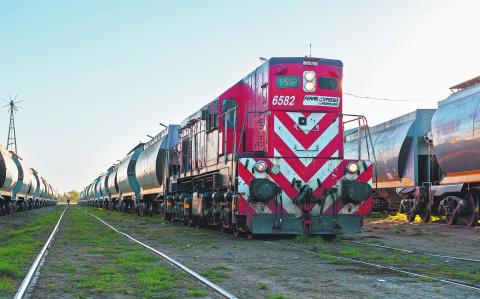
<point>363,126</point>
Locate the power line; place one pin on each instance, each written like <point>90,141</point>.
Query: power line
<point>384,99</point>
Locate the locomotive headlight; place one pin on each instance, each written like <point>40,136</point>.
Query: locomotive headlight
<point>309,81</point>
<point>309,76</point>
<point>352,168</point>
<point>309,86</point>
<point>261,166</point>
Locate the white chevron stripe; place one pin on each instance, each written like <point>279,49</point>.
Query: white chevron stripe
<point>324,172</point>
<point>244,189</point>
<point>314,149</point>
<point>312,120</point>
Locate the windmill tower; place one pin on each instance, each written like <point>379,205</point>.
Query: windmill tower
<point>12,136</point>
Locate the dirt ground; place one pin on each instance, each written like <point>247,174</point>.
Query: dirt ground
<point>266,269</point>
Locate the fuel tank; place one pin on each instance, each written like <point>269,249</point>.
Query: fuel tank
<point>38,190</point>
<point>150,169</point>
<point>8,173</point>
<point>112,185</point>
<point>103,185</point>
<point>25,178</point>
<point>33,182</point>
<point>98,188</point>
<point>456,136</point>
<point>126,179</point>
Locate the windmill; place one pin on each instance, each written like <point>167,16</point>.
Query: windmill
<point>12,109</point>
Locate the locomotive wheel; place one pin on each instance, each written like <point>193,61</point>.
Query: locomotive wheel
<point>472,215</point>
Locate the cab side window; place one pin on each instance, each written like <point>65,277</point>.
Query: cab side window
<point>229,112</point>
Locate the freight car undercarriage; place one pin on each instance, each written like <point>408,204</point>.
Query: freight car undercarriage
<point>460,207</point>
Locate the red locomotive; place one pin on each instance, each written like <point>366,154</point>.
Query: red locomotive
<point>265,157</point>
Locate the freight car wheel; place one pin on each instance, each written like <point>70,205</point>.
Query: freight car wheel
<point>221,228</point>
<point>472,214</point>
<point>427,216</point>
<point>411,216</point>
<point>236,231</point>
<point>452,218</point>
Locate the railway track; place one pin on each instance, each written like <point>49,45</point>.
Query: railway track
<point>29,280</point>
<point>214,287</point>
<point>416,252</point>
<point>379,266</point>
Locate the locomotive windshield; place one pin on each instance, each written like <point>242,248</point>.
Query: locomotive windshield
<point>328,83</point>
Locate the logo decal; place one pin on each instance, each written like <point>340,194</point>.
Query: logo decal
<point>321,101</point>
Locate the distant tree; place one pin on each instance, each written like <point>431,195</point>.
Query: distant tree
<point>73,195</point>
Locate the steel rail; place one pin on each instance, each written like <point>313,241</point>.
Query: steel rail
<point>418,252</point>
<point>189,271</point>
<point>393,269</point>
<point>35,266</point>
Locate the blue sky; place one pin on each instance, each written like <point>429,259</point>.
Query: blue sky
<point>97,76</point>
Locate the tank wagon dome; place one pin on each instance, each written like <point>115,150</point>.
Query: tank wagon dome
<point>150,168</point>
<point>8,172</point>
<point>456,133</point>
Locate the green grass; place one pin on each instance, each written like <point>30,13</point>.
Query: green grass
<point>262,286</point>
<point>216,273</point>
<point>464,274</point>
<point>197,293</point>
<point>277,296</point>
<point>19,247</point>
